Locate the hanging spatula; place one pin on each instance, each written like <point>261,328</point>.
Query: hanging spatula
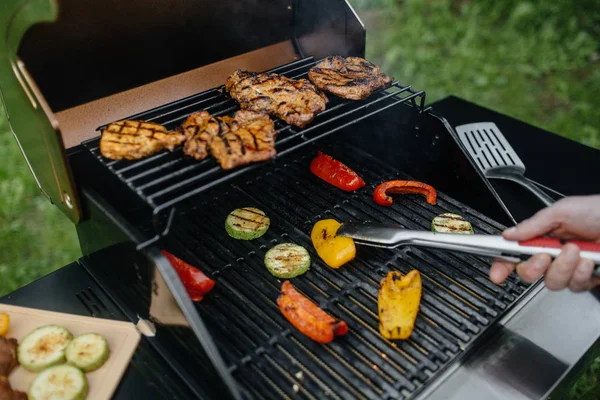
<point>495,157</point>
<point>390,236</point>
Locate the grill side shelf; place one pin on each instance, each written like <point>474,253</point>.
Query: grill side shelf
<point>166,179</point>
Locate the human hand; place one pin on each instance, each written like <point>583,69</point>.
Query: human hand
<point>576,217</point>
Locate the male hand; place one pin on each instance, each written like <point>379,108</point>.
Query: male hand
<point>576,217</point>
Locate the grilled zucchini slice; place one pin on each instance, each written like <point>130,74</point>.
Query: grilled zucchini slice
<point>247,223</point>
<point>88,352</point>
<point>44,347</point>
<point>451,223</point>
<point>61,382</point>
<point>287,260</point>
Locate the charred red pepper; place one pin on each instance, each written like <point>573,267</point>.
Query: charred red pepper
<point>195,282</point>
<point>307,317</point>
<point>383,191</point>
<point>335,173</point>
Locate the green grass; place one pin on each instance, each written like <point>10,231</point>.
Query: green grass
<point>36,238</point>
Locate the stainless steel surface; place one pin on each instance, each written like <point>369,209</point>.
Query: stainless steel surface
<point>384,235</point>
<point>533,348</point>
<point>495,157</point>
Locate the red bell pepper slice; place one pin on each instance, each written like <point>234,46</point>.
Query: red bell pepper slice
<point>307,317</point>
<point>382,192</point>
<point>335,173</point>
<point>195,282</point>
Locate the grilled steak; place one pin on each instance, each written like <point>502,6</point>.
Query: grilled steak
<point>294,101</point>
<point>351,78</point>
<point>247,137</point>
<point>8,355</point>
<point>133,140</point>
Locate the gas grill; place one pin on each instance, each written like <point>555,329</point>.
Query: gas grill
<point>473,339</point>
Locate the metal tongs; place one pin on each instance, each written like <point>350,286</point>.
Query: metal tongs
<point>391,236</point>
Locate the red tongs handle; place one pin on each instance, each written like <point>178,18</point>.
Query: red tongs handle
<point>558,244</point>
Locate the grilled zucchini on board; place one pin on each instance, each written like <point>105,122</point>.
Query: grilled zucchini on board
<point>398,303</point>
<point>61,382</point>
<point>88,352</point>
<point>287,260</point>
<point>44,347</point>
<point>451,223</point>
<point>247,223</point>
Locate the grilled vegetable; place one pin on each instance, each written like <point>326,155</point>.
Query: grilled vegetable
<point>44,347</point>
<point>334,250</point>
<point>88,352</point>
<point>451,223</point>
<point>398,303</point>
<point>383,191</point>
<point>335,173</point>
<point>287,260</point>
<point>62,382</point>
<point>195,282</point>
<point>247,223</point>
<point>4,323</point>
<point>307,317</point>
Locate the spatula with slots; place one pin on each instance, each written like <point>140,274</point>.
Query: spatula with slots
<point>495,157</point>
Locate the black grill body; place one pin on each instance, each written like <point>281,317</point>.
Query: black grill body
<point>175,203</point>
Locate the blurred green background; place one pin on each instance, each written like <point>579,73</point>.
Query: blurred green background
<point>538,61</point>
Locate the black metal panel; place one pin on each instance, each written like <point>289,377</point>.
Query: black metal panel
<point>101,47</point>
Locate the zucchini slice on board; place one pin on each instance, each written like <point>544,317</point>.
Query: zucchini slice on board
<point>44,347</point>
<point>247,223</point>
<point>451,223</point>
<point>88,352</point>
<point>287,260</point>
<point>61,382</point>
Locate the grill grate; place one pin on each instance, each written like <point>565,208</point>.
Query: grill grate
<point>266,354</point>
<point>168,178</point>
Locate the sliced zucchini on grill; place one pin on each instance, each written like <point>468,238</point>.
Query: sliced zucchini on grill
<point>247,223</point>
<point>61,382</point>
<point>451,223</point>
<point>88,352</point>
<point>44,347</point>
<point>287,260</point>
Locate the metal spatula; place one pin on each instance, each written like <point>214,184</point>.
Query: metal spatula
<point>390,236</point>
<point>495,157</point>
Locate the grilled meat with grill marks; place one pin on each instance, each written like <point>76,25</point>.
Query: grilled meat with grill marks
<point>352,78</point>
<point>247,137</point>
<point>133,140</point>
<point>294,101</point>
<point>8,355</point>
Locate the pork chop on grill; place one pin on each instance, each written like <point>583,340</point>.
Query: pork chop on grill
<point>133,140</point>
<point>352,78</point>
<point>294,101</point>
<point>247,137</point>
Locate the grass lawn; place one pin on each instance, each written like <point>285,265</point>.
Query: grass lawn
<point>538,61</point>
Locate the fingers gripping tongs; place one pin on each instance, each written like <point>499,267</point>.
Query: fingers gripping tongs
<point>390,236</point>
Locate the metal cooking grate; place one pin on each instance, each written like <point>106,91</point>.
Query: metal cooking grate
<point>167,178</point>
<point>266,355</point>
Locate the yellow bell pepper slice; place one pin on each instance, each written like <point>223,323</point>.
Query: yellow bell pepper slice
<point>398,302</point>
<point>334,250</point>
<point>4,323</point>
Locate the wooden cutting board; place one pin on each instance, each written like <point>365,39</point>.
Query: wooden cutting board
<point>122,338</point>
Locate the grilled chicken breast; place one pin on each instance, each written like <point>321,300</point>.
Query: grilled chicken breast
<point>352,78</point>
<point>247,137</point>
<point>294,101</point>
<point>133,140</point>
